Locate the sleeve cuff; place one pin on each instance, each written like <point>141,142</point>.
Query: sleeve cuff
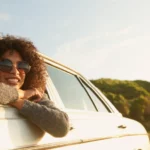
<point>8,94</point>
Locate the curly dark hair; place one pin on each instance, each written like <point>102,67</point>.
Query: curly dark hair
<point>36,77</point>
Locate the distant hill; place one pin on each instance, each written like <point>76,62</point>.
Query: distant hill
<point>131,98</point>
<point>144,84</point>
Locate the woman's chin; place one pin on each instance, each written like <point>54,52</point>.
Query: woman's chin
<point>14,85</point>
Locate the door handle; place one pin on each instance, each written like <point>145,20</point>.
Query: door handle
<point>71,127</point>
<point>122,126</point>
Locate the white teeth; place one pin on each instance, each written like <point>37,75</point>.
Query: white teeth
<point>13,80</point>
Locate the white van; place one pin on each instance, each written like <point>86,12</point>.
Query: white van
<point>95,122</point>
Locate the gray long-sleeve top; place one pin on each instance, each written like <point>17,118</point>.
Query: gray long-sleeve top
<point>44,113</point>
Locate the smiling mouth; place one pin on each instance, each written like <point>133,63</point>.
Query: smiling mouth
<point>13,81</point>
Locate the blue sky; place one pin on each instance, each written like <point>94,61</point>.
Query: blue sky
<point>98,38</point>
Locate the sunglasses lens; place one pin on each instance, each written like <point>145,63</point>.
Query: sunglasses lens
<point>24,66</point>
<point>6,65</point>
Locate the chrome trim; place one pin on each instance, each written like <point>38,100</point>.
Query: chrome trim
<point>73,142</point>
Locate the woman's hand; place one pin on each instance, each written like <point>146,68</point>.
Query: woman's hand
<point>35,94</point>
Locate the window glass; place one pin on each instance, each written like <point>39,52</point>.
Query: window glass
<point>99,104</point>
<point>70,90</point>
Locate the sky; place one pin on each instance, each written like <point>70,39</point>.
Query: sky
<point>98,38</point>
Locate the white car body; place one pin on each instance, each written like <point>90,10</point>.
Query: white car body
<point>101,128</point>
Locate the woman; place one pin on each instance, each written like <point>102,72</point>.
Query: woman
<point>22,84</point>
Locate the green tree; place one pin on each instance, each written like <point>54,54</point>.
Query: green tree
<point>119,102</point>
<point>131,98</point>
<point>138,108</point>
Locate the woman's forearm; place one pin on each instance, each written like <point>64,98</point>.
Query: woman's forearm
<point>43,113</point>
<point>46,116</point>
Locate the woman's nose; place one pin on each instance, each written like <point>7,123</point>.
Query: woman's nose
<point>14,70</point>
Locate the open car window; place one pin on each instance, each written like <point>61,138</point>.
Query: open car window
<point>74,93</point>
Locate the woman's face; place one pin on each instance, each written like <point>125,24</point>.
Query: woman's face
<point>15,77</point>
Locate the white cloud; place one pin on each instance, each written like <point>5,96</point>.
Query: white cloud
<point>125,59</point>
<point>124,31</point>
<point>4,17</point>
<point>80,56</point>
<point>121,32</point>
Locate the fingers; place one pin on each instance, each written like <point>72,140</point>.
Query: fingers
<point>38,93</point>
<point>30,94</point>
<point>37,100</point>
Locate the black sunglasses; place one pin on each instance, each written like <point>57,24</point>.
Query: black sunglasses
<point>6,65</point>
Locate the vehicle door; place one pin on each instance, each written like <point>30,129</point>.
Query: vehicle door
<point>92,120</point>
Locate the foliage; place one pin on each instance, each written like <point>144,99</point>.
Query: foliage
<point>131,98</point>
<point>120,102</point>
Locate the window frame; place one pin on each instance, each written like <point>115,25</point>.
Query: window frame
<point>58,100</point>
<point>101,101</point>
<point>80,84</point>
